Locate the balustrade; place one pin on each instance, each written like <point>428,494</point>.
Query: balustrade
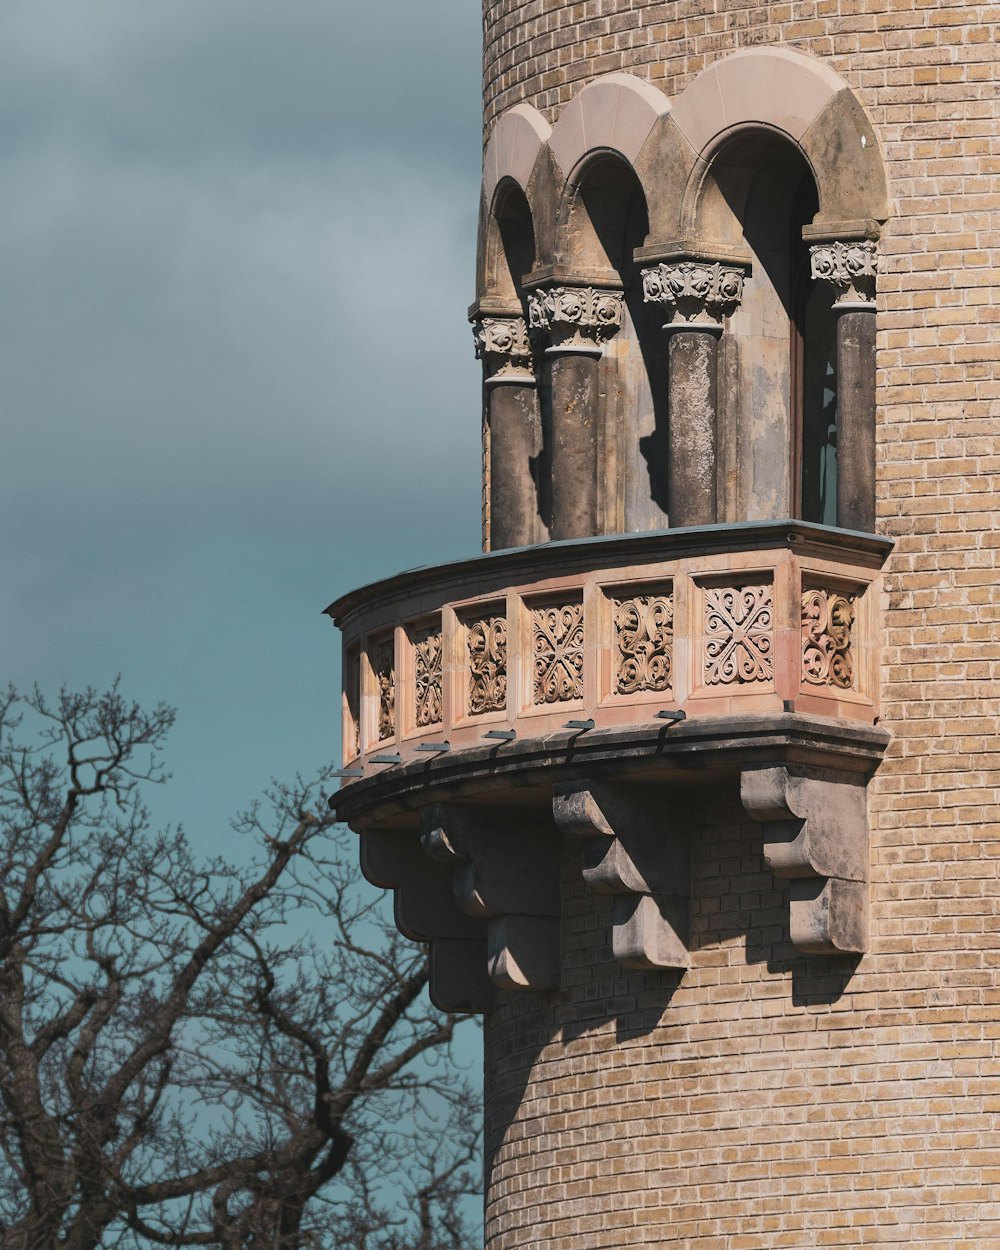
<point>716,622</point>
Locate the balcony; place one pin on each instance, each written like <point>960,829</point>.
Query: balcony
<point>557,680</point>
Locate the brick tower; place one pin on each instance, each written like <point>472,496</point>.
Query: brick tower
<point>690,780</point>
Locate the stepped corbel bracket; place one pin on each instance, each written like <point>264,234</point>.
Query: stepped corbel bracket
<point>426,911</point>
<point>634,849</point>
<point>504,866</point>
<point>816,834</point>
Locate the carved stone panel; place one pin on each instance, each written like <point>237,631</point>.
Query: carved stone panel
<point>644,641</point>
<point>827,629</point>
<point>739,634</point>
<point>427,654</point>
<point>557,653</point>
<point>486,647</point>
<point>383,661</point>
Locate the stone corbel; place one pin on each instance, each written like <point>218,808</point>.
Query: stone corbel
<point>699,294</point>
<point>502,344</point>
<point>632,851</point>
<point>426,911</point>
<point>575,318</point>
<point>850,267</point>
<point>505,871</point>
<point>816,833</point>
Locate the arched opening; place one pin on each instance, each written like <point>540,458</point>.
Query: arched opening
<point>510,251</point>
<point>777,402</point>
<point>605,219</point>
<point>514,505</point>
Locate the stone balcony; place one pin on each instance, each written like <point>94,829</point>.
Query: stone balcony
<point>525,694</point>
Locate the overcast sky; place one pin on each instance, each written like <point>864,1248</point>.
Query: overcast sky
<point>237,249</point>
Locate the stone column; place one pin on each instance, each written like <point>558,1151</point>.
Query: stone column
<point>851,269</point>
<point>578,321</point>
<point>514,430</point>
<point>700,296</point>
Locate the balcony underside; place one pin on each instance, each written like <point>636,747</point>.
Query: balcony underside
<point>496,707</point>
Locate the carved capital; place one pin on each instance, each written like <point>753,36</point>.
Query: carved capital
<point>575,316</point>
<point>851,268</point>
<point>697,293</point>
<point>502,344</point>
<point>815,832</point>
<point>631,851</point>
<point>505,870</point>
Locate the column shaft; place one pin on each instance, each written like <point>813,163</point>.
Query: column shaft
<point>856,419</point>
<point>515,444</point>
<point>693,397</point>
<point>577,322</point>
<point>851,268</point>
<point>574,388</point>
<point>701,294</point>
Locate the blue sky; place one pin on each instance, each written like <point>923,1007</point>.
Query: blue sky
<point>237,248</point>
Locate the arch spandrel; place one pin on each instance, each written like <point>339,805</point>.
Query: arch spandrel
<point>843,150</point>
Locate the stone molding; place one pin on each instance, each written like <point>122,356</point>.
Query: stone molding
<point>505,869</point>
<point>630,850</point>
<point>582,317</point>
<point>502,344</point>
<point>816,834</point>
<point>850,267</point>
<point>700,294</point>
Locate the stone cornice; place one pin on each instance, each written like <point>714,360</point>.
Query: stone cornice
<point>500,568</point>
<point>645,754</point>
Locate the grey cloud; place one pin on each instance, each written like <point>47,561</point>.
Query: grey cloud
<point>313,77</point>
<point>237,241</point>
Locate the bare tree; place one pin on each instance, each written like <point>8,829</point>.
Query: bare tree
<point>197,1053</point>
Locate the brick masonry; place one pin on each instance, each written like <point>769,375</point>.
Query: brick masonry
<point>767,1100</point>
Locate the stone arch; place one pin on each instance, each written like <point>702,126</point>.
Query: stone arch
<point>815,110</point>
<point>508,250</point>
<point>615,113</point>
<point>602,215</point>
<point>749,176</point>
<point>513,148</point>
<point>507,230</point>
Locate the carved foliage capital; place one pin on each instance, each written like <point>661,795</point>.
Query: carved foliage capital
<point>851,269</point>
<point>698,293</point>
<point>575,315</point>
<point>502,344</point>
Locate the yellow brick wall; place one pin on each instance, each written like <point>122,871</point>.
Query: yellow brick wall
<point>768,1099</point>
